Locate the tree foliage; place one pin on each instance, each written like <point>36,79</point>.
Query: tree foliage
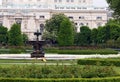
<point>15,35</point>
<point>66,33</point>
<point>3,35</point>
<point>84,37</point>
<point>25,38</point>
<point>108,34</point>
<point>118,42</point>
<point>103,34</point>
<point>115,6</point>
<point>94,33</point>
<point>53,26</point>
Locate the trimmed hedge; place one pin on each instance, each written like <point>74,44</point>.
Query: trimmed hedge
<point>99,51</point>
<point>13,51</point>
<point>108,79</point>
<point>60,51</point>
<point>102,62</point>
<point>57,71</point>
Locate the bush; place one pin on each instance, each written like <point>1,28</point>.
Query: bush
<point>36,71</point>
<point>99,51</point>
<point>13,51</point>
<point>102,62</point>
<point>108,79</point>
<point>97,71</point>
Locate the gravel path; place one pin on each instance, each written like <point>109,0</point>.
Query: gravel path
<point>56,56</point>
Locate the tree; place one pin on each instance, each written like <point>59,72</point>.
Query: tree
<point>84,37</point>
<point>51,38</point>
<point>114,26</point>
<point>113,21</point>
<point>76,39</point>
<point>103,34</point>
<point>94,33</point>
<point>25,38</point>
<point>52,26</point>
<point>3,35</point>
<point>115,6</point>
<point>15,35</point>
<point>118,42</point>
<point>66,33</point>
<point>114,31</point>
<point>111,43</point>
<point>80,39</point>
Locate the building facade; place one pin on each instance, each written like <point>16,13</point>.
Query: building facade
<point>32,14</point>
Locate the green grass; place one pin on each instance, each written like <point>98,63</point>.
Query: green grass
<point>117,69</point>
<point>35,61</point>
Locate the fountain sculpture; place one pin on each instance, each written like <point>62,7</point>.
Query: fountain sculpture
<point>37,46</point>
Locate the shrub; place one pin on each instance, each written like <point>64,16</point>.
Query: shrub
<point>36,71</point>
<point>108,79</point>
<point>103,62</point>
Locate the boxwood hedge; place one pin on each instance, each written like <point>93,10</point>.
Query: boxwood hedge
<point>88,52</point>
<point>102,62</point>
<point>108,79</point>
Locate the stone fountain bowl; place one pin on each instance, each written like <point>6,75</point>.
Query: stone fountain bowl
<point>42,42</point>
<point>38,50</point>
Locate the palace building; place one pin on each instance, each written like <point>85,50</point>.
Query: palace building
<point>32,14</point>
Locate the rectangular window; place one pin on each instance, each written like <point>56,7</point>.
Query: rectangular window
<point>42,17</point>
<point>55,1</point>
<point>61,7</point>
<point>67,1</point>
<point>60,0</point>
<point>84,1</point>
<point>70,17</point>
<point>72,0</point>
<point>78,7</point>
<point>67,7</point>
<point>72,7</point>
<point>99,18</point>
<point>80,1</point>
<point>81,17</point>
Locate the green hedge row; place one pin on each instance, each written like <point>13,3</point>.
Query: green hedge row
<point>109,79</point>
<point>99,51</point>
<point>102,62</point>
<point>59,51</point>
<point>13,51</point>
<point>57,71</point>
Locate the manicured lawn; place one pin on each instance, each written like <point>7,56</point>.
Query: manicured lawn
<point>35,61</point>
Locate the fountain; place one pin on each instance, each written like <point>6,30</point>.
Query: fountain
<point>37,46</point>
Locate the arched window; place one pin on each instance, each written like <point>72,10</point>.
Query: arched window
<point>41,27</point>
<point>18,20</point>
<point>81,24</point>
<point>99,24</point>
